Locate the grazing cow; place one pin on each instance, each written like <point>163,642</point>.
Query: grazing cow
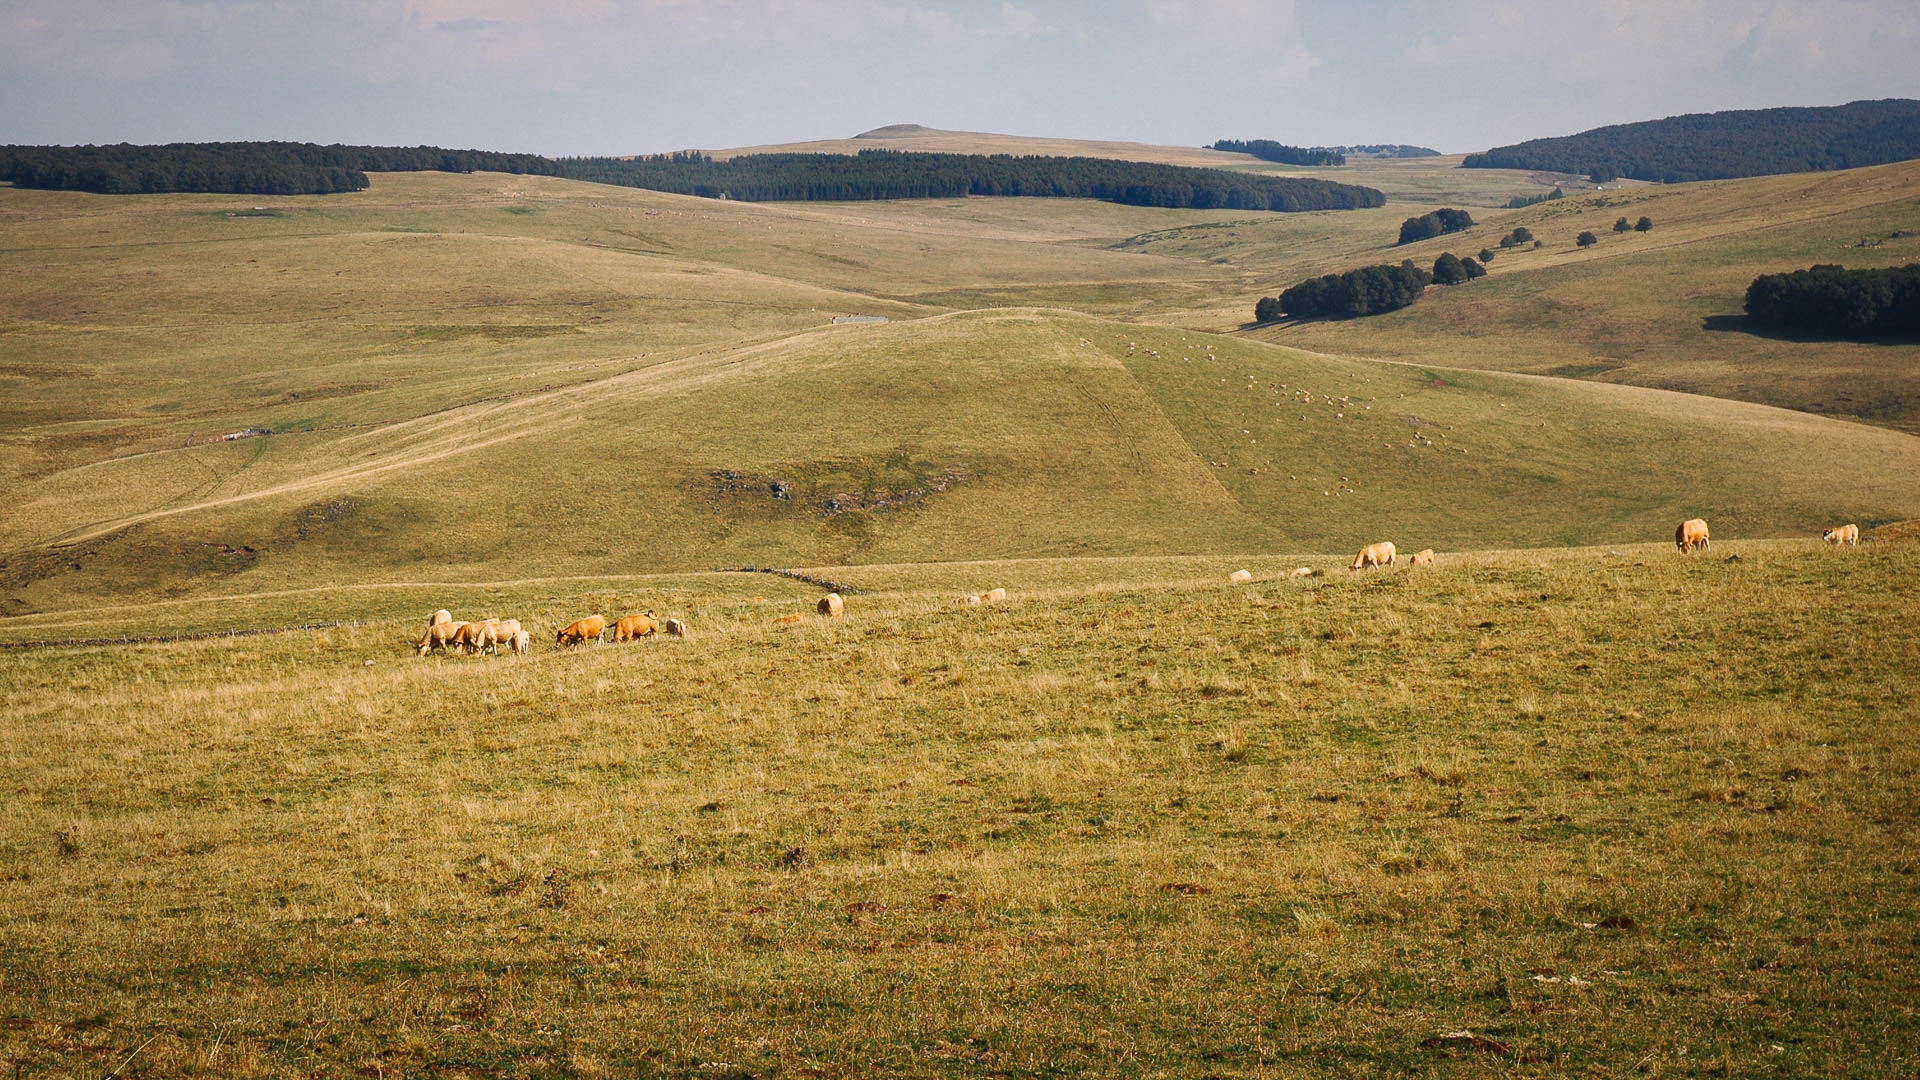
<point>1845,534</point>
<point>471,635</point>
<point>1423,557</point>
<point>993,596</point>
<point>831,605</point>
<point>1302,571</point>
<point>443,636</point>
<point>969,600</point>
<point>674,628</point>
<point>636,626</point>
<point>787,620</point>
<point>1692,533</point>
<point>521,640</point>
<point>488,635</point>
<point>438,617</point>
<point>579,630</point>
<point>1380,554</point>
<point>1239,576</point>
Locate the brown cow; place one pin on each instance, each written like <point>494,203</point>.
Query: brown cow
<point>674,628</point>
<point>1380,554</point>
<point>787,620</point>
<point>831,605</point>
<point>521,639</point>
<point>636,626</point>
<point>1692,533</point>
<point>579,630</point>
<point>993,596</point>
<point>488,635</point>
<point>471,635</point>
<point>1423,557</point>
<point>438,617</point>
<point>443,636</point>
<point>1845,534</point>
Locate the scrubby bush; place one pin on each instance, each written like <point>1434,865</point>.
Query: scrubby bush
<point>1586,239</point>
<point>1439,222</point>
<point>1368,291</point>
<point>1447,270</point>
<point>1831,301</point>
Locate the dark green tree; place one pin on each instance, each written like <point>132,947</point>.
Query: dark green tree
<point>1486,255</point>
<point>1586,239</point>
<point>1447,270</point>
<point>1645,224</point>
<point>1473,269</point>
<point>1622,225</point>
<point>1268,309</point>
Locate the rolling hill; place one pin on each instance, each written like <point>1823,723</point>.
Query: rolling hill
<point>484,377</point>
<point>1721,145</point>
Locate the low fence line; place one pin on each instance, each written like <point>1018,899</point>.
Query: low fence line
<point>831,586</point>
<point>160,639</point>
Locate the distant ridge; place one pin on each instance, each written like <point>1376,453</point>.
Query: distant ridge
<point>1726,145</point>
<point>893,130</point>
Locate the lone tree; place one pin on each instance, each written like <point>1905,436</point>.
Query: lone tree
<point>1586,239</point>
<point>1621,225</point>
<point>1473,269</point>
<point>1645,224</point>
<point>1486,255</point>
<point>1448,270</point>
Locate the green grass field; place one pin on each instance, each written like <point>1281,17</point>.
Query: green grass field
<point>1608,810</point>
<point>1564,803</point>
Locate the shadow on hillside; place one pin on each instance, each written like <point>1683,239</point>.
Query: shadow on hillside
<point>1741,324</point>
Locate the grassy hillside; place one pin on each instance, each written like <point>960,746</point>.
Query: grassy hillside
<point>1599,812</point>
<point>975,435</point>
<point>1660,309</point>
<point>485,377</point>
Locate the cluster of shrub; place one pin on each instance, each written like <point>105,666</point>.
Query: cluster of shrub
<point>1268,150</point>
<point>1388,150</point>
<point>1519,201</point>
<point>894,174</point>
<point>1436,223</point>
<point>1830,301</point>
<point>248,168</point>
<point>1370,290</point>
<point>1714,146</point>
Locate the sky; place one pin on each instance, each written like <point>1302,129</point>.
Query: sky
<point>566,77</point>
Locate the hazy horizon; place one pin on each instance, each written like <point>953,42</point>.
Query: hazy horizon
<point>601,77</point>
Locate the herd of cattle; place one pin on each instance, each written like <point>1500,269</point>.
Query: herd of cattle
<point>1691,533</point>
<point>488,635</point>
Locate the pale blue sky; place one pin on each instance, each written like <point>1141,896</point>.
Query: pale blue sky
<point>605,76</point>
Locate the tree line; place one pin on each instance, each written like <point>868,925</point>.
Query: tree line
<point>896,174</point>
<point>1434,223</point>
<point>249,168</point>
<point>1268,150</point>
<point>278,168</point>
<point>1721,145</point>
<point>1831,301</point>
